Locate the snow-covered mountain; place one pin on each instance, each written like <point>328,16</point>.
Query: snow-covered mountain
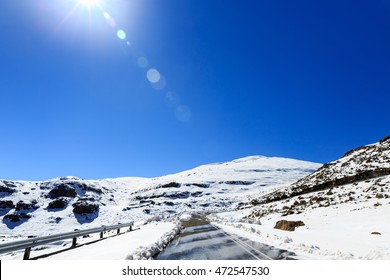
<point>68,203</point>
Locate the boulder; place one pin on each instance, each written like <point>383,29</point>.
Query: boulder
<point>288,225</point>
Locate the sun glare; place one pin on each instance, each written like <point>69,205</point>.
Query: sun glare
<point>90,3</point>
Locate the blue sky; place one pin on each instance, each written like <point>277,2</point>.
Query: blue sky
<point>150,87</point>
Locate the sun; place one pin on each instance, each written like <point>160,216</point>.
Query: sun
<point>90,3</point>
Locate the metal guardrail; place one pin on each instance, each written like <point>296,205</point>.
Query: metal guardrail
<point>27,244</point>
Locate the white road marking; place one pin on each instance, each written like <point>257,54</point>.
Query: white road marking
<point>242,244</point>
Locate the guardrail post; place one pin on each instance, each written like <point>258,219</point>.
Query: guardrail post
<point>74,241</point>
<point>27,252</point>
<point>101,234</point>
<point>130,228</point>
<point>118,231</point>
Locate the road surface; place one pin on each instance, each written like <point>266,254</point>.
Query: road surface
<point>201,240</point>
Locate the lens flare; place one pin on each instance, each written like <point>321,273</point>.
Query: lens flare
<point>183,113</point>
<point>153,75</point>
<point>142,62</point>
<point>121,34</point>
<point>110,21</point>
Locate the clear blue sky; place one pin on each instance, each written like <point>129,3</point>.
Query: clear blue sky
<point>152,87</point>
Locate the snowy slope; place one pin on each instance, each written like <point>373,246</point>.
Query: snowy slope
<point>68,203</point>
<point>345,206</point>
<point>363,163</point>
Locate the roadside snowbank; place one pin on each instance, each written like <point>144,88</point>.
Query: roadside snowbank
<point>147,252</point>
<point>336,232</point>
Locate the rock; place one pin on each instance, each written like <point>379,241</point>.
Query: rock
<point>85,187</point>
<point>376,233</point>
<point>170,185</point>
<point>379,195</point>
<point>6,190</point>
<point>62,190</point>
<point>21,205</point>
<point>57,204</point>
<point>69,178</point>
<point>205,186</point>
<point>177,195</point>
<point>288,225</point>
<point>196,194</point>
<point>12,217</point>
<point>169,203</point>
<point>245,183</point>
<point>84,207</point>
<point>6,204</point>
<point>16,217</point>
<point>387,138</point>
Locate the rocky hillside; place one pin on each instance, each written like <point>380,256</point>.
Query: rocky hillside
<point>361,174</point>
<point>67,203</point>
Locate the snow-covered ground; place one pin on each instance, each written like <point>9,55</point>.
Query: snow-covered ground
<point>339,226</point>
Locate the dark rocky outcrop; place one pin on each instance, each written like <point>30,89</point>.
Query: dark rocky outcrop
<point>84,207</point>
<point>196,194</point>
<point>62,190</point>
<point>16,217</point>
<point>6,204</point>
<point>21,205</point>
<point>199,185</point>
<point>85,187</point>
<point>169,203</point>
<point>244,183</point>
<point>169,185</point>
<point>174,195</point>
<point>288,225</point>
<point>57,204</point>
<point>10,184</point>
<point>8,190</point>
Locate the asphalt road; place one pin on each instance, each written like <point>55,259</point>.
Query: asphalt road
<point>201,240</point>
